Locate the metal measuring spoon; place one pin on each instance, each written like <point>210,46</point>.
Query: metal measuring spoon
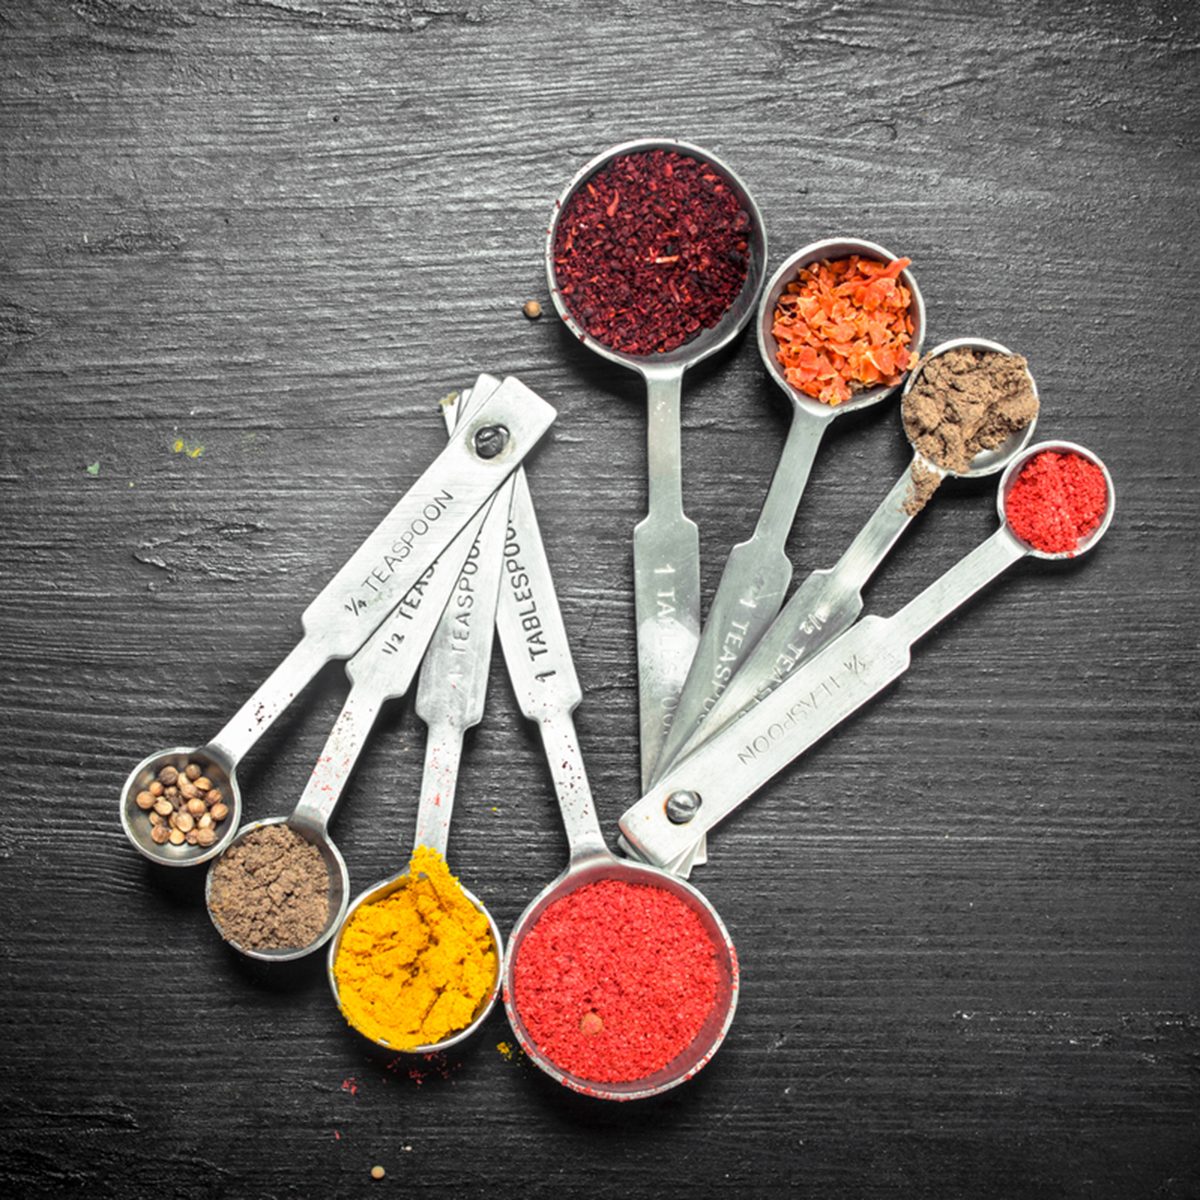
<point>482,453</point>
<point>758,571</point>
<point>709,785</point>
<point>543,675</point>
<point>666,544</point>
<point>829,601</point>
<point>381,671</point>
<point>450,700</point>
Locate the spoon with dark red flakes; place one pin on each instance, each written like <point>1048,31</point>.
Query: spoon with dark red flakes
<point>655,256</point>
<point>621,980</point>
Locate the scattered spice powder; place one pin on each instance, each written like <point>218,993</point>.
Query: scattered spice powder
<point>615,980</point>
<point>651,250</point>
<point>270,890</point>
<point>960,403</point>
<point>413,968</point>
<point>844,326</point>
<point>1056,501</point>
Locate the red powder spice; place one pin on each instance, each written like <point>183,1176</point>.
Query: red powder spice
<point>651,250</point>
<point>615,980</point>
<point>1056,501</point>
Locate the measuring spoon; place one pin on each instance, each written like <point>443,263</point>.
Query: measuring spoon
<point>450,700</point>
<point>381,671</point>
<point>829,601</point>
<point>539,661</point>
<point>705,788</point>
<point>482,453</point>
<point>758,572</point>
<point>666,544</point>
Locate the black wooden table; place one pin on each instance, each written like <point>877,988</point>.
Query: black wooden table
<point>245,245</point>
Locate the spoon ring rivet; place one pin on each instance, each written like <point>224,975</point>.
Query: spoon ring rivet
<point>682,807</point>
<point>490,440</point>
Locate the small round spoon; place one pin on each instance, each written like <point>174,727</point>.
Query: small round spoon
<point>547,689</point>
<point>379,575</point>
<point>758,571</point>
<point>829,601</point>
<point>666,544</point>
<point>707,786</point>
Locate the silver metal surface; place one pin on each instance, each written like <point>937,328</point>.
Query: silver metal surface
<point>829,601</point>
<point>380,574</point>
<point>666,544</point>
<point>382,670</point>
<point>847,673</point>
<point>450,700</point>
<point>540,665</point>
<point>758,571</point>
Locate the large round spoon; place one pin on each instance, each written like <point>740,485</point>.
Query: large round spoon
<point>377,576</point>
<point>382,670</point>
<point>758,571</point>
<point>829,601</point>
<point>450,700</point>
<point>662,827</point>
<point>666,544</point>
<point>547,689</point>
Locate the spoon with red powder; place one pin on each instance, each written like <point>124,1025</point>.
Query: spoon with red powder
<point>621,980</point>
<point>655,258</point>
<point>1056,501</point>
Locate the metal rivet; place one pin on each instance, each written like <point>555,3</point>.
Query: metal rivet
<point>490,440</point>
<point>682,807</point>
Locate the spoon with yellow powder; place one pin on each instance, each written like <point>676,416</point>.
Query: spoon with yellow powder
<point>415,965</point>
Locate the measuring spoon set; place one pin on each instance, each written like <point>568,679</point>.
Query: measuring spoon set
<point>723,708</point>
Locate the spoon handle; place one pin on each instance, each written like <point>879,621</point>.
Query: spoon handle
<point>825,605</point>
<point>534,640</point>
<point>426,519</point>
<point>753,585</point>
<point>439,783</point>
<point>812,702</point>
<point>666,572</point>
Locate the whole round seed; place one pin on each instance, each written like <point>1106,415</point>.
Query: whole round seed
<point>218,812</point>
<point>185,821</point>
<point>144,801</point>
<point>205,822</point>
<point>205,835</point>
<point>155,788</point>
<point>188,790</point>
<point>175,837</point>
<point>377,1172</point>
<point>203,783</point>
<point>164,807</point>
<point>155,819</point>
<point>215,796</point>
<point>159,834</point>
<point>197,807</point>
<point>167,776</point>
<point>192,837</point>
<point>193,771</point>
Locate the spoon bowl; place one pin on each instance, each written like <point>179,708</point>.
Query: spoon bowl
<point>712,1033</point>
<point>708,341</point>
<point>339,891</point>
<point>1058,447</point>
<point>136,821</point>
<point>381,891</point>
<point>986,462</point>
<point>831,249</point>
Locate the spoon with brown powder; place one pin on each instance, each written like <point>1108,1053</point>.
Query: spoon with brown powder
<point>968,408</point>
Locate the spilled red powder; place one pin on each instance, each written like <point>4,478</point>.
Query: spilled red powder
<point>615,980</point>
<point>1056,501</point>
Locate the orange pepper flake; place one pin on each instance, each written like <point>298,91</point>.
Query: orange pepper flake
<point>844,326</point>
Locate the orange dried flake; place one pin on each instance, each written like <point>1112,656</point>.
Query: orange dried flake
<point>844,326</point>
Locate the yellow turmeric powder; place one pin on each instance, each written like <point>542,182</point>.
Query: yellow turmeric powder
<point>414,967</point>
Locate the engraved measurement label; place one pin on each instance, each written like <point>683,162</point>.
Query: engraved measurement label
<point>399,550</point>
<point>839,684</point>
<point>664,594</point>
<point>528,613</point>
<point>406,610</point>
<point>462,603</point>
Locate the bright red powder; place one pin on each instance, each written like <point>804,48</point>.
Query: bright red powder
<point>1056,501</point>
<point>615,980</point>
<point>651,250</point>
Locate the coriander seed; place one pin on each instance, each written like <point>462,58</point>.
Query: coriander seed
<point>167,776</point>
<point>159,834</point>
<point>175,837</point>
<point>192,771</point>
<point>164,807</point>
<point>532,309</point>
<point>144,801</point>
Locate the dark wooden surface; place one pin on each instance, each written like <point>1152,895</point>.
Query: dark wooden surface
<point>279,230</point>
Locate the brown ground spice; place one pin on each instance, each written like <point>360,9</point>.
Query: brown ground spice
<point>270,891</point>
<point>962,402</point>
<point>923,481</point>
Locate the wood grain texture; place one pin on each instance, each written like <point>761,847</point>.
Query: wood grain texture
<point>279,230</point>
